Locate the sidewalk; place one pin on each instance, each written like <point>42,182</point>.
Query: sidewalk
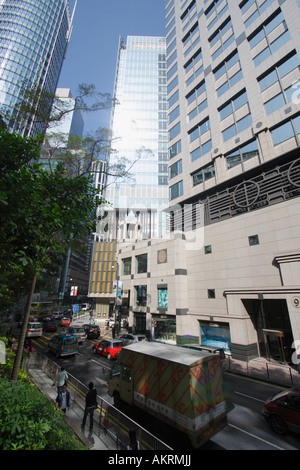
<point>95,440</point>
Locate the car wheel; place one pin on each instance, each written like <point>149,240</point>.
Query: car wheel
<point>278,425</point>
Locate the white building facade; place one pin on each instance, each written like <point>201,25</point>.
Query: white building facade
<point>230,269</point>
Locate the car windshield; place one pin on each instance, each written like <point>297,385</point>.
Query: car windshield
<point>141,338</point>
<point>35,326</point>
<point>78,330</point>
<point>117,344</point>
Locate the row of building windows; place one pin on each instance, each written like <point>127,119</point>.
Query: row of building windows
<point>280,134</point>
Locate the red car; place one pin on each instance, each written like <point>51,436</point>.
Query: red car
<point>108,347</point>
<point>282,411</point>
<point>50,326</point>
<point>65,322</point>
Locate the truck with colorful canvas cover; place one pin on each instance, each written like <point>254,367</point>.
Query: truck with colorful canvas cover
<point>181,387</point>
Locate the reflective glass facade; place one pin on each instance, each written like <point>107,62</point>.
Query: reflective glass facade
<point>33,39</point>
<point>139,133</point>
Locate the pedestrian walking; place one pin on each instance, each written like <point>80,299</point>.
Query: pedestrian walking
<point>61,379</point>
<point>63,399</point>
<point>90,405</point>
<point>133,442</point>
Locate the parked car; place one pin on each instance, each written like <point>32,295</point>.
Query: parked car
<point>129,338</point>
<point>65,321</point>
<point>92,331</point>
<point>34,329</point>
<point>78,331</point>
<point>108,347</point>
<point>110,323</point>
<point>282,411</point>
<point>50,326</point>
<point>63,345</point>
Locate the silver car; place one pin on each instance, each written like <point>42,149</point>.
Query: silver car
<point>129,338</point>
<point>77,331</point>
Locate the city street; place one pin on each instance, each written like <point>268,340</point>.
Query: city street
<point>246,429</point>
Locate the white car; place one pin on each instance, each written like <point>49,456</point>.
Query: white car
<point>78,331</point>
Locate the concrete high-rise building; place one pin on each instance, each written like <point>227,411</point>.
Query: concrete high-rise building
<point>229,274</point>
<point>33,37</point>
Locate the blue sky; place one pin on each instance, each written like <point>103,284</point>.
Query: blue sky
<point>92,52</point>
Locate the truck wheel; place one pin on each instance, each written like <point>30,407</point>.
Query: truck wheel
<point>117,399</point>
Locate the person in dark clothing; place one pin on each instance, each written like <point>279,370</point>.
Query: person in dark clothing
<point>90,405</point>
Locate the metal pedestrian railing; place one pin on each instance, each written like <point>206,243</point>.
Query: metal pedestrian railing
<point>109,420</point>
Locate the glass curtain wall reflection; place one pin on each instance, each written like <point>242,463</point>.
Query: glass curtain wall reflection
<point>33,40</point>
<point>139,135</point>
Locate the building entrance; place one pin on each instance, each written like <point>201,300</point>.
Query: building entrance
<point>271,321</point>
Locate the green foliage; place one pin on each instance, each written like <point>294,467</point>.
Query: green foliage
<point>40,214</point>
<point>28,421</point>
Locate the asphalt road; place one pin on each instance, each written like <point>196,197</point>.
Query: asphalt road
<point>246,429</point>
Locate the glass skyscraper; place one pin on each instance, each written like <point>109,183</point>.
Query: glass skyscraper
<point>139,134</point>
<point>33,40</point>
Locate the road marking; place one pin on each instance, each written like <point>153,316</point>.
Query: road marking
<point>249,396</point>
<point>259,381</point>
<point>99,364</point>
<point>255,437</point>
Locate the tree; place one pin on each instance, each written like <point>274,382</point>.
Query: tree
<point>36,104</point>
<point>41,213</point>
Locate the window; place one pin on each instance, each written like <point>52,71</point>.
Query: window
<point>253,240</point>
<point>282,133</point>
<point>126,266</point>
<point>141,263</point>
<point>255,12</point>
<point>176,190</point>
<point>174,131</point>
<point>275,76</point>
<point>241,124</point>
<point>232,76</point>
<point>211,293</point>
<point>208,249</point>
<point>235,104</point>
<point>162,294</point>
<point>197,91</point>
<point>175,149</point>
<point>203,174</point>
<point>280,35</point>
<point>221,40</point>
<point>174,114</point>
<point>141,296</point>
<point>215,12</point>
<point>175,169</point>
<point>199,130</point>
<point>242,154</point>
<point>201,150</point>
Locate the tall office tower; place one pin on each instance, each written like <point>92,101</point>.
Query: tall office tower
<point>234,136</point>
<point>33,37</point>
<point>139,134</point>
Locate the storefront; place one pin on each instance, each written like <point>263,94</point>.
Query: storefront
<point>164,328</point>
<point>215,334</point>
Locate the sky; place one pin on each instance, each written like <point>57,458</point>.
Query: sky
<point>93,48</point>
